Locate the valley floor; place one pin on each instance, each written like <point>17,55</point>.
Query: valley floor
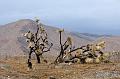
<point>16,68</point>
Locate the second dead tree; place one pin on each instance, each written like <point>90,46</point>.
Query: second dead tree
<point>82,56</point>
<point>63,48</point>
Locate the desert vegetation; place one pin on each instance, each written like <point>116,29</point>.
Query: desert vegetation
<point>39,44</point>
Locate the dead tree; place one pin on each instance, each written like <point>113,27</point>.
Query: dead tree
<point>37,43</point>
<point>88,51</point>
<point>63,48</point>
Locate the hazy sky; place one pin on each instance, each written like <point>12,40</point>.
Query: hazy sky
<point>91,16</point>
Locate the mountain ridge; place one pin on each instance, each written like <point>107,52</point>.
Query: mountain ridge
<point>12,42</point>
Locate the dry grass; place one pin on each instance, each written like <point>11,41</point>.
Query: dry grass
<point>16,68</point>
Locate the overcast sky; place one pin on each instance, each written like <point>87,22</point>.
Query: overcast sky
<point>89,16</point>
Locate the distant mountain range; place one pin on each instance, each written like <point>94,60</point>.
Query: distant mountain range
<point>89,36</point>
<point>13,43</point>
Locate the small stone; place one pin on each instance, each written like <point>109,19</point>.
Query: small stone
<point>51,77</point>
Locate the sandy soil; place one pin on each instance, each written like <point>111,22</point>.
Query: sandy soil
<point>16,68</point>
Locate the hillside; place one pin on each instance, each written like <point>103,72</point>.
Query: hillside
<point>12,42</point>
<point>88,36</point>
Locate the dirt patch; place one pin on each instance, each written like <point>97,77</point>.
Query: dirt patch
<point>16,68</point>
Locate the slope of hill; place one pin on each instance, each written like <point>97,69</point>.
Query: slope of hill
<point>112,43</point>
<point>13,43</point>
<point>89,36</point>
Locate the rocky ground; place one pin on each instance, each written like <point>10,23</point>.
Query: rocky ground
<point>16,68</point>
